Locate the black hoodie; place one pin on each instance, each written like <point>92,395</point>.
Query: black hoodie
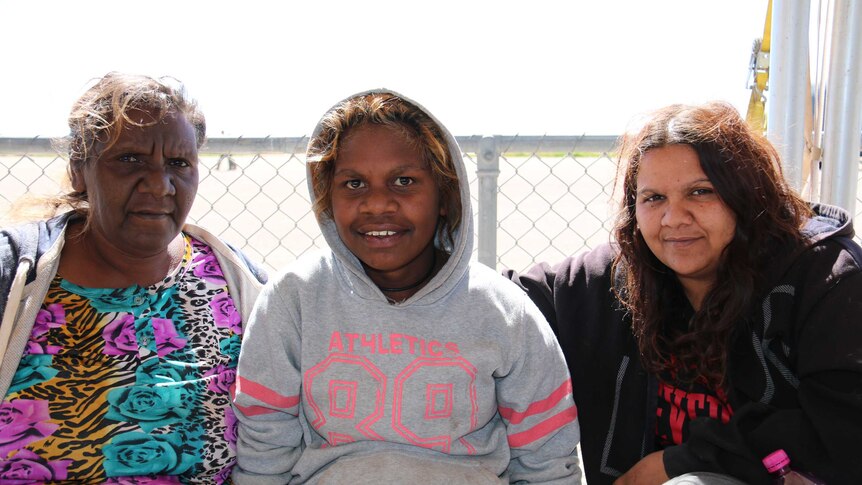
<point>795,373</point>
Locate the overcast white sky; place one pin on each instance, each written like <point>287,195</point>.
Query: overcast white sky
<point>258,68</point>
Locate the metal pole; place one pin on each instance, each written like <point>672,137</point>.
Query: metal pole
<point>821,13</point>
<point>843,121</point>
<point>488,170</point>
<point>788,75</point>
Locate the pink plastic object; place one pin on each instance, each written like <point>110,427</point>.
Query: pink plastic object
<point>777,464</point>
<point>776,460</point>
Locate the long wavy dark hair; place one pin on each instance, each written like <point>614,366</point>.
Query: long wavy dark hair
<point>744,168</point>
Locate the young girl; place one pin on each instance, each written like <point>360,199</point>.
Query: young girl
<point>392,357</point>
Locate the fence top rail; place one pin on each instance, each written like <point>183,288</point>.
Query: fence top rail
<point>296,145</point>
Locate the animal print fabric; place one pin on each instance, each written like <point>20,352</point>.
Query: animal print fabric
<point>127,386</point>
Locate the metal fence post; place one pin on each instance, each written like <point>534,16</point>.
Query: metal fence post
<point>843,121</point>
<point>788,69</point>
<point>488,170</point>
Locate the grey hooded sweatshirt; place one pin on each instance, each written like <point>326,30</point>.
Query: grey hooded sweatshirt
<point>463,382</point>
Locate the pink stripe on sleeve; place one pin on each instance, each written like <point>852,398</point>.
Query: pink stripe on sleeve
<point>538,407</point>
<point>263,394</point>
<point>255,410</point>
<point>544,428</point>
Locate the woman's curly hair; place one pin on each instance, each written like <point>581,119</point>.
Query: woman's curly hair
<point>744,168</point>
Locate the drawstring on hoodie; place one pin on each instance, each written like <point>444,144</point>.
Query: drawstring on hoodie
<point>13,302</point>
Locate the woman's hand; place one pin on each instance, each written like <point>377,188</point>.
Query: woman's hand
<point>648,471</point>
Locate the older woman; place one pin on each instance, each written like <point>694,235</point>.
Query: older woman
<point>122,324</point>
<point>725,323</point>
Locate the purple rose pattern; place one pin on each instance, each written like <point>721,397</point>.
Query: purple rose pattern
<point>205,265</point>
<point>220,379</point>
<point>120,337</point>
<point>54,316</point>
<point>230,428</point>
<point>135,317</point>
<point>225,313</point>
<point>23,421</point>
<point>167,338</point>
<point>28,467</point>
<point>224,475</point>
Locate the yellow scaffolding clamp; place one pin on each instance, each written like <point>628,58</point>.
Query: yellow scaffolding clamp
<point>759,76</point>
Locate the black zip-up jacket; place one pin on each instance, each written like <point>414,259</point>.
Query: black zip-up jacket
<point>794,369</point>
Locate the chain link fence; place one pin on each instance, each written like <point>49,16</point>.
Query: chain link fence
<point>534,198</point>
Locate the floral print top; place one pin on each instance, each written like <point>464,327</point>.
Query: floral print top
<point>127,385</point>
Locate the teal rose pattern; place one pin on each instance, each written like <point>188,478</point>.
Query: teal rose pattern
<point>132,299</point>
<point>162,304</point>
<point>149,406</point>
<point>230,347</point>
<point>159,371</point>
<point>164,413</point>
<point>33,369</point>
<point>142,480</point>
<point>135,453</point>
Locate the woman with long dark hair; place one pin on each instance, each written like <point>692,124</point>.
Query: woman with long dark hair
<point>722,325</point>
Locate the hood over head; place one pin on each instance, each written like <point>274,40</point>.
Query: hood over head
<point>454,234</point>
